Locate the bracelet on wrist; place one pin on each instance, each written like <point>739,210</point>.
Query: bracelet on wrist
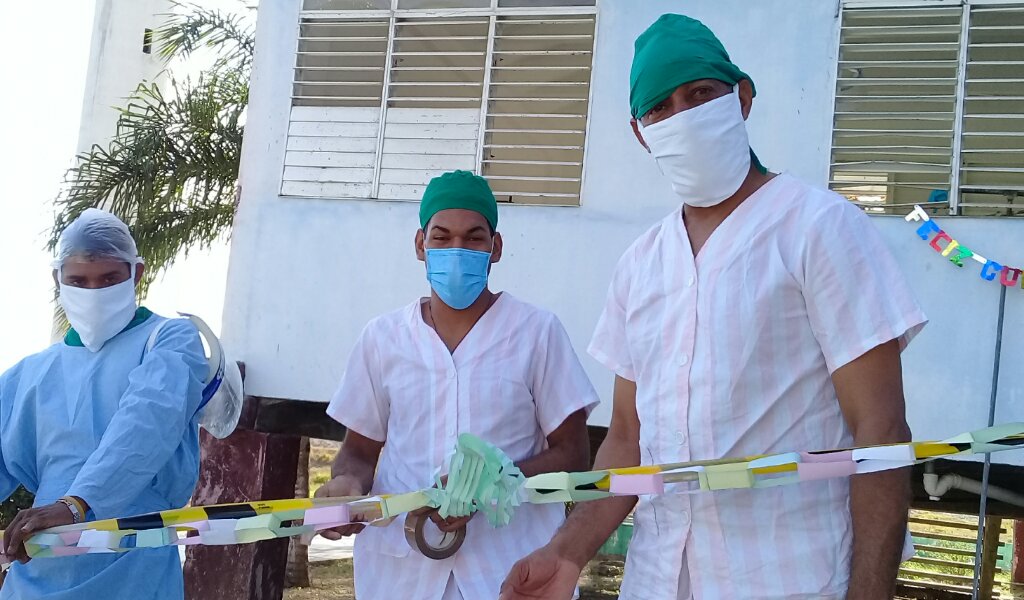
<point>77,510</point>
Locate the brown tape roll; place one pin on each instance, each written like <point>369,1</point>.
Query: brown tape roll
<point>414,534</point>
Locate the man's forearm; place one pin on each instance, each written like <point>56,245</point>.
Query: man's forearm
<point>590,523</point>
<point>878,505</point>
<point>552,460</point>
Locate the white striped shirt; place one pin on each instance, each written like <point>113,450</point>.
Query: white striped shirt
<point>732,353</point>
<point>512,381</point>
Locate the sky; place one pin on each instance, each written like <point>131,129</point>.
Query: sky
<point>44,73</point>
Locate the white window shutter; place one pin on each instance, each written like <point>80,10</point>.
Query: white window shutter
<point>335,115</point>
<point>432,119</point>
<point>895,110</point>
<point>537,108</point>
<point>992,154</point>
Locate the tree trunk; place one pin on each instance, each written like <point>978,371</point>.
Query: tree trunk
<point>297,571</point>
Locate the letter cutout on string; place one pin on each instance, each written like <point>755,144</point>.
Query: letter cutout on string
<point>962,253</point>
<point>481,478</point>
<point>990,270</point>
<point>956,252</point>
<point>938,239</point>
<point>918,214</point>
<point>1006,279</point>
<point>927,228</point>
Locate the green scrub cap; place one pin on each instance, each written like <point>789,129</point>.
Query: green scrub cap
<point>459,189</point>
<point>673,51</point>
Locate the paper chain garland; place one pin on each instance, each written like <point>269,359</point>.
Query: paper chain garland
<point>481,478</point>
<point>943,243</point>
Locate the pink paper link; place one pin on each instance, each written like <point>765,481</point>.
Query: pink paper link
<point>323,526</point>
<point>637,484</point>
<point>333,515</point>
<point>68,550</point>
<point>70,538</point>
<point>825,470</point>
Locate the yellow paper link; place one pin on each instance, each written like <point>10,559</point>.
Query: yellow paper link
<point>725,477</point>
<point>172,518</point>
<point>267,507</point>
<point>392,506</point>
<point>606,482</point>
<point>641,470</point>
<point>932,449</point>
<point>786,468</point>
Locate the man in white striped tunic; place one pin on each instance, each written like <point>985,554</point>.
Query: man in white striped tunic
<point>762,316</point>
<point>463,360</point>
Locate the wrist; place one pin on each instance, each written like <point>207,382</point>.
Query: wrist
<point>74,506</point>
<point>568,548</point>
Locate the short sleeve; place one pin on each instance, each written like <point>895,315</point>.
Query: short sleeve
<point>609,345</point>
<point>857,297</point>
<point>559,384</point>
<point>360,403</point>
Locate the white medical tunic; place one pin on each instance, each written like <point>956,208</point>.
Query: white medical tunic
<point>512,381</point>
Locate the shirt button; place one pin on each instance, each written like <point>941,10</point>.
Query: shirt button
<point>681,436</point>
<point>683,360</point>
<point>690,281</point>
<point>684,518</point>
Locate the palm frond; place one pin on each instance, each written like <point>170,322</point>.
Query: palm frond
<point>194,26</point>
<point>171,171</point>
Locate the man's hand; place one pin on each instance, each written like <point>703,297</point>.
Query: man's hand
<point>339,487</point>
<point>543,575</point>
<point>28,522</point>
<point>446,525</point>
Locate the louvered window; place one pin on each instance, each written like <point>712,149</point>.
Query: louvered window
<point>926,114</point>
<point>386,98</point>
<point>992,151</point>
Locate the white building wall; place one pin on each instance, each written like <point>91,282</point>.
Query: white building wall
<point>306,275</point>
<point>117,63</point>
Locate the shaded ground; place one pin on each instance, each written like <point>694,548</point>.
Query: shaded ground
<point>332,580</point>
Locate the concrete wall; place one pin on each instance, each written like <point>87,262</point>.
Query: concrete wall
<point>116,63</point>
<point>306,275</point>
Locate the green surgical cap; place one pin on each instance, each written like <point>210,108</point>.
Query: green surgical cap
<point>673,51</point>
<point>459,189</point>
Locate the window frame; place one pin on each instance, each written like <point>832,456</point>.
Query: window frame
<point>493,14</point>
<point>955,202</point>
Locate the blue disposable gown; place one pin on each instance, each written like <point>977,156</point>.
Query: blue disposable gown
<point>117,428</point>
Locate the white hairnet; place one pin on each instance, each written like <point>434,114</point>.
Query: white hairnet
<point>97,234</point>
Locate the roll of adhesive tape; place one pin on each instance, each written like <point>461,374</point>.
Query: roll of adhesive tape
<point>415,535</point>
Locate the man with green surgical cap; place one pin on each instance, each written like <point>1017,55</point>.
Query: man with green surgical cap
<point>463,360</point>
<point>762,316</point>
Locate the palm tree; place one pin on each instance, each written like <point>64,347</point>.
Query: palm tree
<point>171,170</point>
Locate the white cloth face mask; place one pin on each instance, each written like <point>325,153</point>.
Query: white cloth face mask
<point>704,151</point>
<point>99,314</point>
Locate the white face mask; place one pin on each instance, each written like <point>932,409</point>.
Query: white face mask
<point>98,315</point>
<point>703,151</point>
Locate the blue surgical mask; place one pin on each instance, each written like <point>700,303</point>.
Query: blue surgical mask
<point>458,275</point>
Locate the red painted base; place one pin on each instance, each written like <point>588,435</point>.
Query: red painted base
<point>245,466</point>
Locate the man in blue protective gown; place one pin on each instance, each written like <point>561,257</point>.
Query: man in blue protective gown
<point>102,424</point>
